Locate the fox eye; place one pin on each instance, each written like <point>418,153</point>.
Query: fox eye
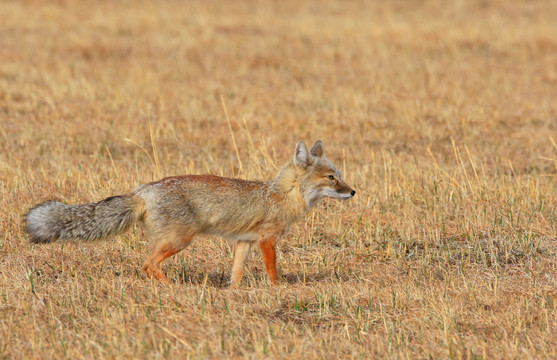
<point>330,177</point>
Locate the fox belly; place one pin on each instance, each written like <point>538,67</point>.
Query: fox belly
<point>250,236</point>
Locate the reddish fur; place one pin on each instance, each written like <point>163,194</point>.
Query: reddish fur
<point>152,265</point>
<point>269,258</point>
<point>213,181</point>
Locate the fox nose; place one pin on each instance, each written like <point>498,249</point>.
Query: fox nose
<point>352,192</point>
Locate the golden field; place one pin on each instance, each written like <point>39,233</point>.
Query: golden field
<point>442,116</point>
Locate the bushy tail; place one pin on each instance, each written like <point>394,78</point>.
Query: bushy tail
<point>52,220</point>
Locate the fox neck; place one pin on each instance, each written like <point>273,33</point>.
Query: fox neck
<point>286,187</point>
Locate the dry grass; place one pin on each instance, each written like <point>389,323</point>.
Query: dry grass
<point>443,116</point>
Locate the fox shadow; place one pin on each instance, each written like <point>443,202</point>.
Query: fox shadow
<point>221,279</point>
<point>301,277</point>
<point>217,279</point>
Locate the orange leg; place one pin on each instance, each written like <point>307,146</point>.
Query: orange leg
<point>270,258</point>
<point>152,265</point>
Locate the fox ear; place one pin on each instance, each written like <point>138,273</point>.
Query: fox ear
<point>301,155</point>
<point>317,149</point>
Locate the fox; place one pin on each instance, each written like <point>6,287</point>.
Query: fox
<point>174,210</point>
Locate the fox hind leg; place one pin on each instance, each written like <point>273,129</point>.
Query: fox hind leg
<point>152,265</point>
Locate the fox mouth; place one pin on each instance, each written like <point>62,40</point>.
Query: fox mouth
<point>316,194</point>
<point>344,196</point>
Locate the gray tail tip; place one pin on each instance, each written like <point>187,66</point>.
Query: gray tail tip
<point>34,235</point>
<point>34,224</point>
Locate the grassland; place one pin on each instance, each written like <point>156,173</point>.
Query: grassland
<point>442,115</point>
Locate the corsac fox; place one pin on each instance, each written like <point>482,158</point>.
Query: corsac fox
<point>174,210</point>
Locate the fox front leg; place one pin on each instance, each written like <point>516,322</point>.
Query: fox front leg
<point>240,254</point>
<point>270,258</point>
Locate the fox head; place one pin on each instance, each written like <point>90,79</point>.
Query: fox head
<point>317,176</point>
